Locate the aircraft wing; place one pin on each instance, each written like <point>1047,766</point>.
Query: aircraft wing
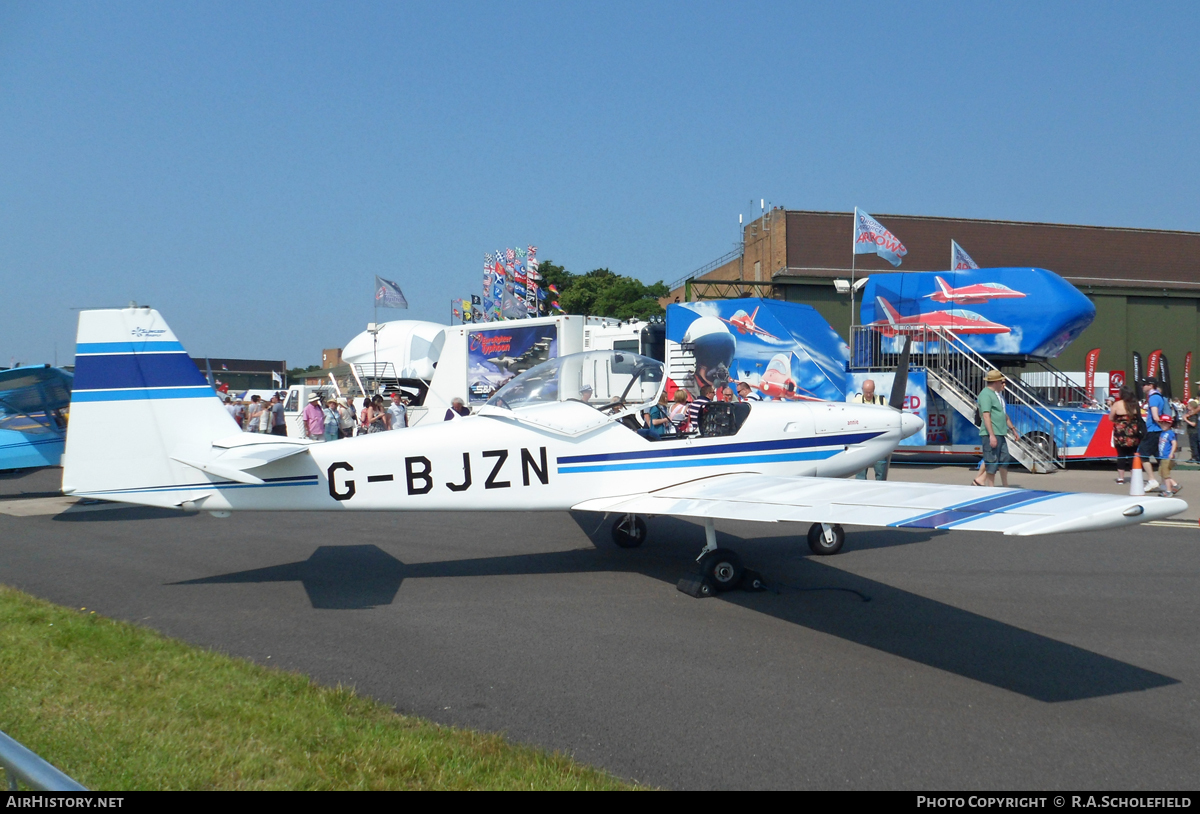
<point>768,498</point>
<point>34,389</point>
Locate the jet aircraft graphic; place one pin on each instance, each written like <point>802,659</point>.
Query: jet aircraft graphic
<point>745,324</point>
<point>777,382</point>
<point>146,428</point>
<point>972,294</point>
<point>956,319</point>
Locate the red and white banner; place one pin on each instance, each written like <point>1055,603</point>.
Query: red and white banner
<point>1089,376</point>
<point>1152,365</point>
<point>1187,377</point>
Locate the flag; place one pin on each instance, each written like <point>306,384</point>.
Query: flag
<point>510,255</point>
<point>532,251</point>
<point>224,367</point>
<point>556,305</point>
<point>541,294</point>
<point>1137,371</point>
<point>275,377</point>
<point>553,288</point>
<point>388,294</point>
<point>871,238</point>
<point>475,300</point>
<point>222,387</point>
<point>960,260</point>
<point>512,308</point>
<point>1187,377</point>
<point>1164,376</point>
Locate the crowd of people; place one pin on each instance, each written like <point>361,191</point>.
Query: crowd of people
<point>323,419</point>
<point>1149,429</point>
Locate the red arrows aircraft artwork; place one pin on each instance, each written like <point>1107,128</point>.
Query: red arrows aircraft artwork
<point>972,294</point>
<point>745,324</point>
<point>956,319</point>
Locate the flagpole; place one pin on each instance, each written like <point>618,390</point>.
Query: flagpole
<point>853,269</point>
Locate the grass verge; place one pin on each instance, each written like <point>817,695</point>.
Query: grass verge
<point>120,707</point>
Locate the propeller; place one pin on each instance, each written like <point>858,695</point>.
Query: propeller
<point>900,383</point>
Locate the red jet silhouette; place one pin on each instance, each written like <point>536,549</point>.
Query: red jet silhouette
<point>777,381</point>
<point>972,294</point>
<point>956,319</point>
<point>745,323</point>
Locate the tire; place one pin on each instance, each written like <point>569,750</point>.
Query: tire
<point>629,531</point>
<point>1045,445</point>
<point>723,567</point>
<point>816,540</point>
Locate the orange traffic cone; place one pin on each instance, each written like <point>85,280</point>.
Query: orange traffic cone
<point>1137,484</point>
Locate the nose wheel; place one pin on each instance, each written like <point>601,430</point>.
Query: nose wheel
<point>723,567</point>
<point>825,539</point>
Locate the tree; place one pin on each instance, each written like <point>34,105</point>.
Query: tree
<point>602,293</point>
<point>296,374</point>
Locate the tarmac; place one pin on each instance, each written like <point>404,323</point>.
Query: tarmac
<point>916,660</point>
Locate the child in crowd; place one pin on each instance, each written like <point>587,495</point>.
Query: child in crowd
<point>1167,448</point>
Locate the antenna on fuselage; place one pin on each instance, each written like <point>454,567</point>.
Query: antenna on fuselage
<point>900,383</point>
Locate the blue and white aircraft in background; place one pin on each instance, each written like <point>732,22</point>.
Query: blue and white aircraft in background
<point>33,422</point>
<point>146,429</point>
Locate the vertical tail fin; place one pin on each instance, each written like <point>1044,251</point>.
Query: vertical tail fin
<point>137,400</point>
<point>891,313</point>
<point>943,286</point>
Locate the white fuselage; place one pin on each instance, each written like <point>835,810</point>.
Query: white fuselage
<point>503,460</point>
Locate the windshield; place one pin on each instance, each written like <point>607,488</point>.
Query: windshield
<point>602,379</point>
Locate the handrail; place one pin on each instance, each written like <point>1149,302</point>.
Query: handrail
<point>1075,393</point>
<point>22,765</point>
<point>944,354</point>
<point>707,267</point>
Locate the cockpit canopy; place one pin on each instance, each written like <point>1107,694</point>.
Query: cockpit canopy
<point>610,380</point>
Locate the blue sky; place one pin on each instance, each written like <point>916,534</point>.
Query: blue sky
<point>247,168</point>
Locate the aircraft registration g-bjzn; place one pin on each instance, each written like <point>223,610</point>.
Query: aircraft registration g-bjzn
<point>146,428</point>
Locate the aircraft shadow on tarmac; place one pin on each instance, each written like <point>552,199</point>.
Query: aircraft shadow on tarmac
<point>813,595</point>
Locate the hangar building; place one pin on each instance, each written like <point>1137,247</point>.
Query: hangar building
<point>1145,283</point>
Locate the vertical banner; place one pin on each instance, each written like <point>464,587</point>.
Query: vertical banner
<point>1137,373</point>
<point>1089,376</point>
<point>1152,363</point>
<point>1187,377</point>
<point>1164,375</point>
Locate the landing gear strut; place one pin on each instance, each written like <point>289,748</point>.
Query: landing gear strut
<point>629,531</point>
<point>721,567</point>
<point>825,539</point>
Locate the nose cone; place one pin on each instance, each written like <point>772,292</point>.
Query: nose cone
<point>910,425</point>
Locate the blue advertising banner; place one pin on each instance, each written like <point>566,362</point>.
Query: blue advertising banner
<point>495,355</point>
<point>782,350</point>
<point>996,311</point>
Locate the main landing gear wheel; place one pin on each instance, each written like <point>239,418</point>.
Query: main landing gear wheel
<point>723,567</point>
<point>818,542</point>
<point>629,531</point>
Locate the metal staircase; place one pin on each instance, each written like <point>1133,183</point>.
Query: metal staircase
<point>956,373</point>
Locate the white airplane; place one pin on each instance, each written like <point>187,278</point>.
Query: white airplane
<point>145,428</point>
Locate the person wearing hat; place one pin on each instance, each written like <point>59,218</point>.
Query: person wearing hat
<point>994,429</point>
<point>313,418</point>
<point>585,393</point>
<point>1190,419</point>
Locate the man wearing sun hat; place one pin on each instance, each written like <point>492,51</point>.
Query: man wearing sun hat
<point>994,429</point>
<point>314,418</point>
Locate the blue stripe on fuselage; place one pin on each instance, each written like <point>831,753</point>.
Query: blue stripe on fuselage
<point>668,449</point>
<point>724,460</point>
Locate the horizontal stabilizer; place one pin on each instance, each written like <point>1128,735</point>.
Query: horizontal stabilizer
<point>233,462</point>
<point>766,498</point>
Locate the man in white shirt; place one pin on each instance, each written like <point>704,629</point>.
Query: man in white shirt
<point>397,415</point>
